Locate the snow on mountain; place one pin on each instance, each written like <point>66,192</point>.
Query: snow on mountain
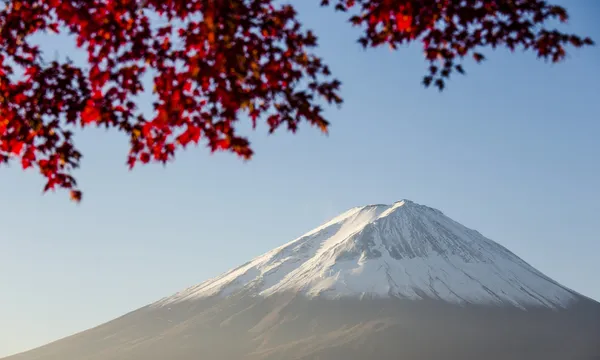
<point>403,250</point>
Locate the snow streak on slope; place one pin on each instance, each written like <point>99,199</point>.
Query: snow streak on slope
<point>403,250</point>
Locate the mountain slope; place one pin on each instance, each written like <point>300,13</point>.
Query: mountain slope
<point>379,281</point>
<point>289,326</point>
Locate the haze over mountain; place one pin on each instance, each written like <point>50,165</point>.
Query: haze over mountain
<point>390,281</point>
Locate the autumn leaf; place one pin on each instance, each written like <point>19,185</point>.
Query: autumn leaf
<point>89,114</point>
<point>75,195</point>
<point>403,22</point>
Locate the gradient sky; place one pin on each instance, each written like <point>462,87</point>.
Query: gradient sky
<point>511,150</point>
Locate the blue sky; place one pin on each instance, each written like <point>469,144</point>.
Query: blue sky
<point>510,150</point>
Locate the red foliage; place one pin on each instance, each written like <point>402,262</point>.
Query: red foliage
<point>214,61</point>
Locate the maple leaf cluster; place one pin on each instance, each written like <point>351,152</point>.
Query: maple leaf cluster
<point>213,62</point>
<point>451,30</point>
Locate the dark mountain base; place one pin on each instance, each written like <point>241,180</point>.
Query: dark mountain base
<point>290,327</point>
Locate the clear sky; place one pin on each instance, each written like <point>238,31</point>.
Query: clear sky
<point>511,150</point>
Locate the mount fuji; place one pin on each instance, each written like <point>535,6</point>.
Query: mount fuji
<point>398,281</point>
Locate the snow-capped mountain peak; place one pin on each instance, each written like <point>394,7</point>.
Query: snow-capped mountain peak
<point>403,250</point>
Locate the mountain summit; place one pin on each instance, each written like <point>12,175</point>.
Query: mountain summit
<point>388,282</point>
<point>402,250</point>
